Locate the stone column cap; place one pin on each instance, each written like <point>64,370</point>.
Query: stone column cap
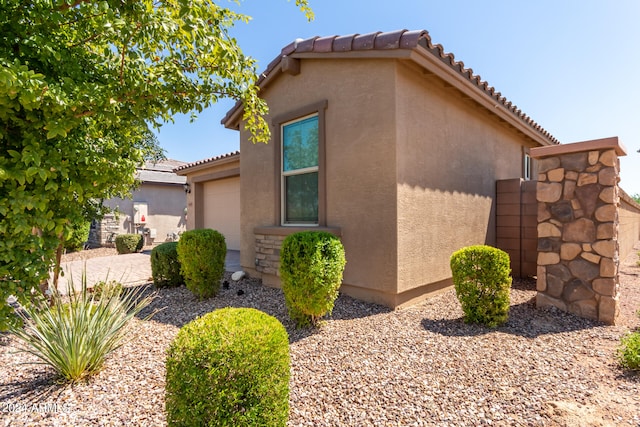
<point>578,147</point>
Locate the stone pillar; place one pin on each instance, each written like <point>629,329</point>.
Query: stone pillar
<point>578,202</point>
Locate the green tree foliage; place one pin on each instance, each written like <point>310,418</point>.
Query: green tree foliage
<point>81,83</point>
<point>78,236</point>
<point>636,197</point>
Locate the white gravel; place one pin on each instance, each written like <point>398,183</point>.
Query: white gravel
<point>367,366</point>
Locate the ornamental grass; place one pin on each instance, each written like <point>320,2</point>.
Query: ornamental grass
<point>74,334</point>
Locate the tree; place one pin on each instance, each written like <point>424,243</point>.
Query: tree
<point>81,85</point>
<point>636,197</point>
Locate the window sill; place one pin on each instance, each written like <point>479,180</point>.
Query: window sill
<point>286,230</point>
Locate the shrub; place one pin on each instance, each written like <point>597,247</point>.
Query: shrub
<point>629,351</point>
<point>482,282</point>
<point>75,337</point>
<point>129,243</point>
<point>229,368</point>
<point>165,267</point>
<point>311,267</point>
<point>106,289</point>
<point>78,237</point>
<point>201,255</point>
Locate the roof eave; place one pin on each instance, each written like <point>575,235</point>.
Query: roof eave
<point>235,157</point>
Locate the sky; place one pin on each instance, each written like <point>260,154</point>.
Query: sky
<point>572,66</point>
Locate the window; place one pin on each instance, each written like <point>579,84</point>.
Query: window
<point>526,167</point>
<point>299,183</point>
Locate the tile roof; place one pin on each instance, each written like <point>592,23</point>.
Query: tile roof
<point>206,161</point>
<point>401,39</point>
<point>161,172</point>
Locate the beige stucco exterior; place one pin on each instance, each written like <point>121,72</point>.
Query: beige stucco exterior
<point>213,200</point>
<point>412,145</point>
<point>410,172</point>
<point>165,211</point>
<point>449,155</point>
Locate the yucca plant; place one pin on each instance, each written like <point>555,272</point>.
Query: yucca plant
<point>74,334</point>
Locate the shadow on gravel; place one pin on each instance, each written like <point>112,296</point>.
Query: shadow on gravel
<point>525,320</point>
<point>178,306</point>
<point>33,391</point>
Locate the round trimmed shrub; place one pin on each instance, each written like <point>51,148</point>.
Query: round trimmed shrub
<point>78,237</point>
<point>129,243</point>
<point>481,276</point>
<point>229,368</point>
<point>165,267</point>
<point>201,254</point>
<point>311,267</point>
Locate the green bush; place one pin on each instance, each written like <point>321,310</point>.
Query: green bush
<point>78,237</point>
<point>165,267</point>
<point>106,289</point>
<point>629,351</point>
<point>74,336</point>
<point>311,267</point>
<point>481,276</point>
<point>129,243</point>
<point>229,368</point>
<point>201,254</point>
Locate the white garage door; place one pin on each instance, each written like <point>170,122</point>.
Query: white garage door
<point>222,209</point>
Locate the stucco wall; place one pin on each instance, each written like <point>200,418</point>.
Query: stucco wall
<point>411,171</point>
<point>360,175</point>
<point>197,176</point>
<point>629,225</point>
<point>449,156</point>
<point>166,204</point>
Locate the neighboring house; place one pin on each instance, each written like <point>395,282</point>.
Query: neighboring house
<point>213,199</point>
<point>388,142</point>
<point>157,209</point>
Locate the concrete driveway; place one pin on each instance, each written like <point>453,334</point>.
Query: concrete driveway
<point>128,269</point>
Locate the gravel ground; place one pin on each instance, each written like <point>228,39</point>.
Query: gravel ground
<point>369,366</point>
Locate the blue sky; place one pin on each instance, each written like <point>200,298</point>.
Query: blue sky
<point>572,66</point>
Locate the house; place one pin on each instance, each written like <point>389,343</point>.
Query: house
<point>388,142</point>
<point>157,208</point>
<point>213,195</point>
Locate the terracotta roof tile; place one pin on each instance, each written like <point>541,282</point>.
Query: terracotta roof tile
<point>410,39</point>
<point>389,40</point>
<point>364,41</point>
<point>205,161</point>
<point>324,44</point>
<point>401,39</point>
<point>343,43</point>
<point>305,45</point>
<point>288,49</point>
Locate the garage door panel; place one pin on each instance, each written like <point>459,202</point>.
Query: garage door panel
<point>222,209</point>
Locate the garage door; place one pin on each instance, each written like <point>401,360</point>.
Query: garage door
<point>222,209</point>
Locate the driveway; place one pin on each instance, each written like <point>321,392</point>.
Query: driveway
<point>128,269</point>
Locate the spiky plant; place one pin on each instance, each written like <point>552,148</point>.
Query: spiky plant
<point>75,334</point>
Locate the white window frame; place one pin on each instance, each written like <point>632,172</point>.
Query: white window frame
<point>526,167</point>
<point>285,174</point>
